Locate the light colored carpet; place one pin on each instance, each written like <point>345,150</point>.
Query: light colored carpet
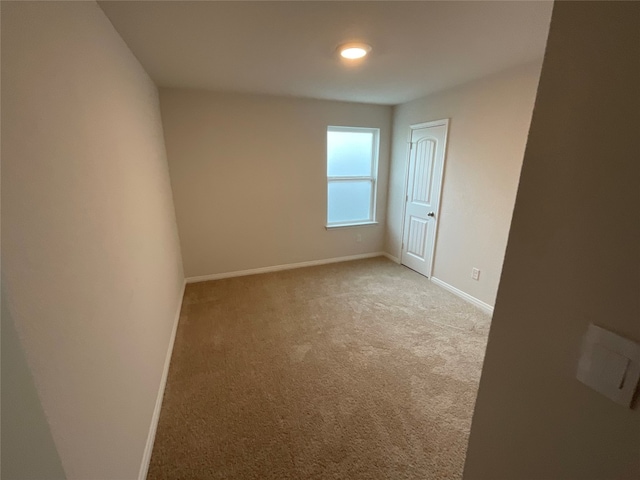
<point>357,370</point>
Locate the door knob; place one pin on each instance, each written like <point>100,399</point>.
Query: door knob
<point>431,214</point>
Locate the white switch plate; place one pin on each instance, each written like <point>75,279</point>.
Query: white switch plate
<point>610,364</point>
<point>475,274</point>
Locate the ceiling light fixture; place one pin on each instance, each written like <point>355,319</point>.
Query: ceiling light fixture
<point>353,51</point>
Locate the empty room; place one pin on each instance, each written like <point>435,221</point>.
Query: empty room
<point>320,240</point>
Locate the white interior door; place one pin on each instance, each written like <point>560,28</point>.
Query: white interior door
<point>424,183</point>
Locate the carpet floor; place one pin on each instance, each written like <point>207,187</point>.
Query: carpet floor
<point>355,370</point>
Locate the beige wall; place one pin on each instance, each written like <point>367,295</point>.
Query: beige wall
<point>487,134</point>
<point>28,450</point>
<point>249,178</point>
<point>90,256</point>
<point>572,258</point>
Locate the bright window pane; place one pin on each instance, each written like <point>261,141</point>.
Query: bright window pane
<point>349,201</point>
<point>349,153</point>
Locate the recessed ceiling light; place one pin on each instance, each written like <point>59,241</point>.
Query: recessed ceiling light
<point>352,51</point>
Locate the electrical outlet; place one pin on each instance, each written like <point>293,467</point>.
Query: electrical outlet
<point>358,238</point>
<point>475,274</point>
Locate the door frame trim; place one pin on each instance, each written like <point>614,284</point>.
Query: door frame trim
<point>417,126</point>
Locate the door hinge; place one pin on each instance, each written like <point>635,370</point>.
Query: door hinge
<point>410,145</point>
<point>406,198</point>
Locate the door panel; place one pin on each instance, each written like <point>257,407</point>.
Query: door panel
<point>417,237</point>
<point>421,186</point>
<point>426,164</point>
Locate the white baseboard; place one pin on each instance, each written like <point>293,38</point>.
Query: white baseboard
<point>465,296</point>
<point>391,257</point>
<point>146,458</point>
<point>276,268</point>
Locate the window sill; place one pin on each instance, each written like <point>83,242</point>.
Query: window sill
<point>346,225</point>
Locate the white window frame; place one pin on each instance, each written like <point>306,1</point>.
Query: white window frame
<point>373,178</point>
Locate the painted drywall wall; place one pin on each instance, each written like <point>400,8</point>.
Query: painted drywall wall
<point>249,178</point>
<point>90,254</point>
<point>489,121</point>
<point>24,426</point>
<point>572,259</point>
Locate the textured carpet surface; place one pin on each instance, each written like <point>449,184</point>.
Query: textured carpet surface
<point>357,370</point>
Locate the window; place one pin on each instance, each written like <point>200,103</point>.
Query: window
<point>352,170</point>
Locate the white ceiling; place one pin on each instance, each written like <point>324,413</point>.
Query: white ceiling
<point>288,48</point>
